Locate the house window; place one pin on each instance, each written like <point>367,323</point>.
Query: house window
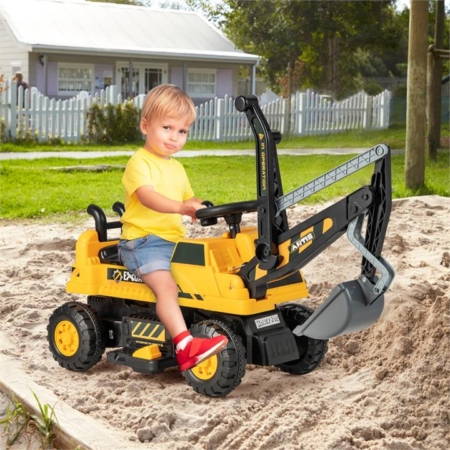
<point>74,78</point>
<point>201,83</point>
<point>16,66</point>
<point>145,76</point>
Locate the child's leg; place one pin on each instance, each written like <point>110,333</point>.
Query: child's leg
<point>166,291</point>
<point>190,351</point>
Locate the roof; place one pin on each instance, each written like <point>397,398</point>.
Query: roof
<point>82,26</point>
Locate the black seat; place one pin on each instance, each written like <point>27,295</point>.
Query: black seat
<point>110,255</point>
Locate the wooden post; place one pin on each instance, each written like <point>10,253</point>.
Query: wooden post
<point>434,82</point>
<point>416,95</point>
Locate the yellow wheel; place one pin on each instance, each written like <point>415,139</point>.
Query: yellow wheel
<point>66,338</point>
<point>206,369</point>
<point>75,336</point>
<point>218,375</point>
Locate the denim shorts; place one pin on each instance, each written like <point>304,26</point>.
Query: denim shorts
<point>145,255</point>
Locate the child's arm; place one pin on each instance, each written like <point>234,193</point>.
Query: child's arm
<point>158,202</point>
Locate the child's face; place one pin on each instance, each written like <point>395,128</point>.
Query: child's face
<point>165,136</point>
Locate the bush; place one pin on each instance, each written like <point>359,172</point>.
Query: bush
<point>400,91</point>
<point>113,124</point>
<point>371,87</point>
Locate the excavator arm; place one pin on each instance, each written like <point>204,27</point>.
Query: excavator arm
<point>280,251</point>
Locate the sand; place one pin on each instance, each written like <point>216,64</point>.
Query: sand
<point>386,387</point>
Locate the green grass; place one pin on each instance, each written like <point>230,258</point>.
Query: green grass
<point>18,421</point>
<point>44,188</point>
<point>393,136</point>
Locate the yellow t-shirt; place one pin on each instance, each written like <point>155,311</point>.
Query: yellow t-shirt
<point>168,177</point>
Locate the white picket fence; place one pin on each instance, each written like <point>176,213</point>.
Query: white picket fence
<point>30,112</point>
<point>311,113</point>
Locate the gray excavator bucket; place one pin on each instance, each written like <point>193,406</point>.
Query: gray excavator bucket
<point>349,308</point>
<point>352,305</point>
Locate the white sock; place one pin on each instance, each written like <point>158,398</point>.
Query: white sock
<point>182,344</point>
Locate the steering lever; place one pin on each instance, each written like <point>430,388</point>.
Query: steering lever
<point>231,212</point>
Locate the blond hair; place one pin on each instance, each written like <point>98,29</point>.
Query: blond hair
<point>170,101</point>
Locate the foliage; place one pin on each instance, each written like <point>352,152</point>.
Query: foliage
<point>2,120</point>
<point>2,81</point>
<point>124,2</point>
<point>167,4</point>
<point>44,424</point>
<point>320,39</point>
<point>114,124</point>
<point>15,421</point>
<point>18,421</point>
<point>3,136</point>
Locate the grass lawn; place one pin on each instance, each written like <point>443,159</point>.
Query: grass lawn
<point>58,189</point>
<point>393,136</point>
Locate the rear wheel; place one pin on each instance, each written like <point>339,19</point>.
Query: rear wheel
<point>219,375</point>
<point>311,351</point>
<point>75,336</point>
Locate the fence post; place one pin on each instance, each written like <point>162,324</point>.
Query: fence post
<point>113,97</point>
<point>282,108</point>
<point>63,120</point>
<point>5,108</point>
<point>219,119</point>
<point>13,104</point>
<point>385,101</point>
<point>58,119</point>
<point>302,114</point>
<point>41,118</point>
<point>45,117</point>
<point>368,114</point>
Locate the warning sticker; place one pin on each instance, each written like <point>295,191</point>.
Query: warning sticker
<point>267,321</point>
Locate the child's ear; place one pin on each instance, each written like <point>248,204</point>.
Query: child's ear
<point>143,125</point>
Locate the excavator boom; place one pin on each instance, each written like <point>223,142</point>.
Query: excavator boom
<point>281,251</point>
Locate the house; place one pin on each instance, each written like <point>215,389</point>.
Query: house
<point>63,47</point>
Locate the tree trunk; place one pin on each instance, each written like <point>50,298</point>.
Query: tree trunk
<point>290,73</point>
<point>434,83</point>
<point>416,95</point>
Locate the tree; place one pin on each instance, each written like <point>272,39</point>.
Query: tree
<point>125,2</point>
<point>416,95</point>
<point>167,4</point>
<point>316,40</point>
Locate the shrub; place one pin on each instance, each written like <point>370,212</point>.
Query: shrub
<point>371,87</point>
<point>113,124</point>
<point>400,91</point>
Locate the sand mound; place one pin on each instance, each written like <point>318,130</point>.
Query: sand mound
<point>387,387</point>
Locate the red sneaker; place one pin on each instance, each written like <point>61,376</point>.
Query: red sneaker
<point>198,349</point>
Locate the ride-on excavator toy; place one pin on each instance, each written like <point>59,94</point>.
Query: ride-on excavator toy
<point>240,284</point>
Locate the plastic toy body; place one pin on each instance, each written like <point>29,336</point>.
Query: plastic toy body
<point>238,284</point>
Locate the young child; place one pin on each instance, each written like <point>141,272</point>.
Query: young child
<point>157,195</point>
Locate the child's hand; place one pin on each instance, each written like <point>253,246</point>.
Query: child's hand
<point>189,207</point>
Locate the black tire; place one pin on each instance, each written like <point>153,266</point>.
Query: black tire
<point>311,351</point>
<point>75,336</point>
<point>220,374</point>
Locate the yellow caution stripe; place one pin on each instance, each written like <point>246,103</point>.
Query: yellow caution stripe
<point>148,330</point>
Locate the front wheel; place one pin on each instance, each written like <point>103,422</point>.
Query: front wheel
<point>311,351</point>
<point>75,336</point>
<point>218,375</point>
